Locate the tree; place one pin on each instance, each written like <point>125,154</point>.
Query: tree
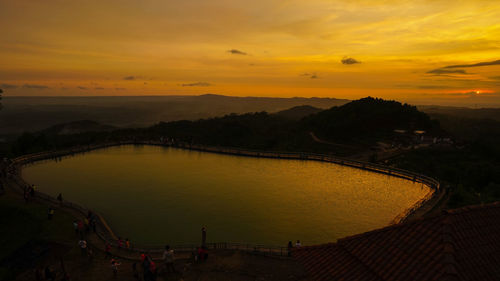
<point>1,92</point>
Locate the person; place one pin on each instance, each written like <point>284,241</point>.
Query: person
<point>83,246</point>
<point>38,274</point>
<point>75,226</point>
<point>203,236</point>
<point>202,254</point>
<point>26,196</point>
<point>50,274</point>
<point>114,266</point>
<point>135,272</point>
<point>32,191</point>
<point>59,198</point>
<point>90,215</point>
<point>290,247</point>
<point>50,213</point>
<point>94,225</point>
<point>80,227</point>
<point>86,225</point>
<point>152,270</point>
<point>120,243</point>
<point>145,267</point>
<point>127,243</point>
<point>297,244</point>
<point>168,259</point>
<point>107,250</point>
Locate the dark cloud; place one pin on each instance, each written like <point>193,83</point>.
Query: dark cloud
<point>495,77</point>
<point>120,89</point>
<point>236,52</point>
<point>440,71</point>
<point>129,78</point>
<point>98,88</point>
<point>432,87</point>
<point>347,60</point>
<point>197,84</point>
<point>487,63</point>
<point>82,88</point>
<point>35,86</point>
<point>8,86</point>
<point>311,75</point>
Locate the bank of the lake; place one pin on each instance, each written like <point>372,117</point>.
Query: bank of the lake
<point>154,195</point>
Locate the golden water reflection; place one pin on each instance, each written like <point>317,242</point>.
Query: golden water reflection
<point>156,195</point>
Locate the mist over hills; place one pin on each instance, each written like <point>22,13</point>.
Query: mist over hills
<point>22,114</point>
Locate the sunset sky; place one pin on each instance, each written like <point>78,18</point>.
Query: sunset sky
<point>441,52</point>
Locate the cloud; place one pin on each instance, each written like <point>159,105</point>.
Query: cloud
<point>8,86</point>
<point>495,77</point>
<point>440,71</point>
<point>433,87</point>
<point>347,60</point>
<point>487,63</point>
<point>98,88</point>
<point>197,84</point>
<point>120,89</point>
<point>473,94</point>
<point>82,88</point>
<point>35,86</point>
<point>129,78</point>
<point>311,75</point>
<point>237,52</point>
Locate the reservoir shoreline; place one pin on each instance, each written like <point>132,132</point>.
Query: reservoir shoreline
<point>106,232</point>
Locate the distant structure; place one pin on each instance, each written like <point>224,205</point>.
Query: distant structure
<point>461,244</point>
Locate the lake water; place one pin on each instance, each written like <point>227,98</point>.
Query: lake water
<point>157,195</point>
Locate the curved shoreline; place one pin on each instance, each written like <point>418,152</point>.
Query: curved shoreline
<point>105,233</point>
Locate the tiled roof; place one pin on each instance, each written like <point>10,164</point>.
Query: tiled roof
<point>461,244</point>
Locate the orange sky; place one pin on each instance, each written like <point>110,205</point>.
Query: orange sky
<point>427,51</point>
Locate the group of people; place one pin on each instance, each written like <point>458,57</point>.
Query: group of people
<point>148,266</point>
<point>84,226</point>
<point>290,246</point>
<point>29,192</point>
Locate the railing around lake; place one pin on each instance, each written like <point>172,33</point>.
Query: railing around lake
<point>106,233</point>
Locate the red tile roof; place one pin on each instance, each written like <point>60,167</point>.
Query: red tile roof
<point>461,244</point>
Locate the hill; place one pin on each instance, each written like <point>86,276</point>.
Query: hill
<point>298,112</point>
<point>368,120</point>
<point>22,114</point>
<point>461,112</point>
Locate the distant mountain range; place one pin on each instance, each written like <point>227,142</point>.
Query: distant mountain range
<point>36,113</point>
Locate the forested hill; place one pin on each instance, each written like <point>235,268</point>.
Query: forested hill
<point>355,126</point>
<point>368,119</point>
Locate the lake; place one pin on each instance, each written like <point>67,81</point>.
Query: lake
<point>159,195</point>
